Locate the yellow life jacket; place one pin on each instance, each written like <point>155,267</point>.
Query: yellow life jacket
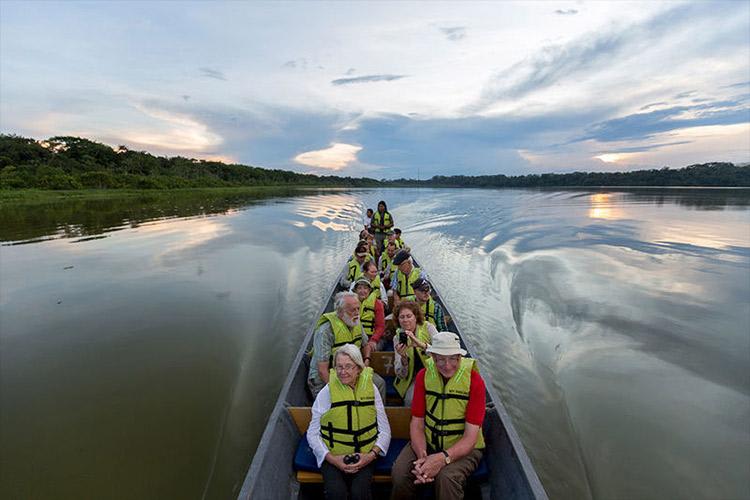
<point>351,425</point>
<point>404,290</point>
<point>400,243</point>
<point>387,263</point>
<point>402,384</point>
<point>428,309</point>
<point>355,269</point>
<point>445,410</point>
<point>367,312</point>
<point>342,334</point>
<point>386,220</point>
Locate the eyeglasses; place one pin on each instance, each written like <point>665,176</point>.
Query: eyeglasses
<point>346,368</point>
<point>444,360</point>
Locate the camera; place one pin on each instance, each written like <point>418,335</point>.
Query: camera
<point>351,459</point>
<point>402,338</point>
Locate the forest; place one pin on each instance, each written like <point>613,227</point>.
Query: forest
<point>72,163</point>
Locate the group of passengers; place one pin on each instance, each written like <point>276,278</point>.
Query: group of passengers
<point>349,429</point>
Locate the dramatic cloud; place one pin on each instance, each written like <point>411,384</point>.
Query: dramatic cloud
<point>212,73</point>
<point>335,157</point>
<point>479,88</point>
<point>367,79</point>
<point>454,33</point>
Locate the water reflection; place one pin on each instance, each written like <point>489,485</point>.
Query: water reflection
<point>22,223</point>
<point>613,323</point>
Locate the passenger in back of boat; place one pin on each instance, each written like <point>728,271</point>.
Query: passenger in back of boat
<point>406,275</point>
<point>413,336</point>
<point>349,428</point>
<point>382,222</point>
<point>367,219</point>
<point>335,329</point>
<point>354,265</point>
<point>371,312</point>
<point>446,424</point>
<point>433,312</point>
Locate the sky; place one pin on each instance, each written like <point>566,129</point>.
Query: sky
<point>387,89</point>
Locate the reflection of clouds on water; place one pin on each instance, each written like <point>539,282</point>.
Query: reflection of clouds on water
<point>337,212</point>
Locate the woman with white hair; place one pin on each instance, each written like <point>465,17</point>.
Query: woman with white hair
<point>349,429</point>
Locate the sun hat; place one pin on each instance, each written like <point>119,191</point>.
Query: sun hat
<point>446,344</point>
<point>362,281</point>
<point>401,256</point>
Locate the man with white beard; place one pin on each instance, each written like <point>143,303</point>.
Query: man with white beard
<point>335,329</point>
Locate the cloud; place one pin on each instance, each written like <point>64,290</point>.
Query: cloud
<point>335,157</point>
<point>566,12</point>
<point>654,105</point>
<point>406,146</point>
<point>367,79</point>
<point>212,73</point>
<point>645,125</point>
<point>611,47</point>
<point>454,33</point>
<point>644,147</point>
<point>296,63</point>
<point>350,71</point>
<point>737,85</point>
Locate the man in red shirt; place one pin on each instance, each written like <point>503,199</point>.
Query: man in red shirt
<point>446,424</point>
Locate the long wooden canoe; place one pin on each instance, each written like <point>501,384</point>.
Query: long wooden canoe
<point>271,476</point>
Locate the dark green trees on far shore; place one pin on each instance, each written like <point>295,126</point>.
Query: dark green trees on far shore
<point>77,163</point>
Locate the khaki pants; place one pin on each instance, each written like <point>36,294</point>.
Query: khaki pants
<point>449,483</point>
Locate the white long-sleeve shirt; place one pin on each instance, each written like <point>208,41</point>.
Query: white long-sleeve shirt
<point>322,404</point>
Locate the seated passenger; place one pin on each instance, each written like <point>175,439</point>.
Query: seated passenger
<point>406,275</point>
<point>371,313</point>
<point>433,312</point>
<point>385,264</point>
<point>446,432</point>
<point>410,355</point>
<point>335,329</point>
<point>354,264</point>
<point>399,242</point>
<point>370,271</point>
<point>348,421</point>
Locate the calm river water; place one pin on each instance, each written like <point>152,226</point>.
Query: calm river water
<point>144,341</point>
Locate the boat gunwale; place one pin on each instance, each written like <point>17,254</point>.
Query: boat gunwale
<point>265,440</point>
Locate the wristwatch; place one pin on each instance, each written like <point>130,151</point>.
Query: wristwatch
<point>447,458</point>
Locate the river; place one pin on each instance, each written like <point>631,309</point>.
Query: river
<point>143,341</point>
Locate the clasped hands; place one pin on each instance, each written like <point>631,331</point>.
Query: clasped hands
<point>338,461</point>
<point>426,468</point>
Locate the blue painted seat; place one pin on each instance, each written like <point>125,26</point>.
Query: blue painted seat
<point>304,459</point>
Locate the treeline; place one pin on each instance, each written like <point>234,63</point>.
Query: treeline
<point>76,163</point>
<point>705,174</point>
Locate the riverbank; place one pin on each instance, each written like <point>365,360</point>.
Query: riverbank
<point>31,196</point>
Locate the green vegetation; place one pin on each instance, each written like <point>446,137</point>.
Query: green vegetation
<point>69,163</point>
<point>73,163</point>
